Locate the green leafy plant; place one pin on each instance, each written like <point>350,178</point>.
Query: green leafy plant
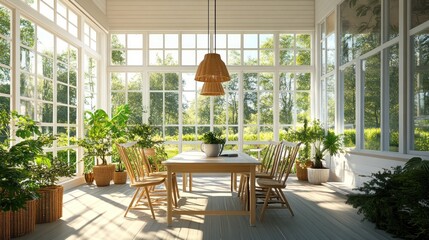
<point>397,199</point>
<point>330,143</point>
<point>102,132</point>
<point>213,138</point>
<point>160,155</point>
<point>16,183</point>
<point>46,172</point>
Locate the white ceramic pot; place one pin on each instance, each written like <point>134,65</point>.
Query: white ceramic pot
<point>318,175</point>
<point>211,150</point>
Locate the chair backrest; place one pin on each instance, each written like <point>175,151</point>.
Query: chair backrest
<point>270,158</point>
<point>134,160</point>
<point>287,159</point>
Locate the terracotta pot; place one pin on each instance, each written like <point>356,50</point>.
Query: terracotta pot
<point>23,221</point>
<point>103,174</point>
<point>318,175</point>
<point>120,177</point>
<point>89,178</point>
<point>301,171</point>
<point>49,207</point>
<point>4,225</point>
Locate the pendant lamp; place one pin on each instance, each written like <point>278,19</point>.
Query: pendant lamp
<point>212,70</point>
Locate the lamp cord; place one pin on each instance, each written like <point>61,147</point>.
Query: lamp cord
<point>215,26</point>
<point>208,26</point>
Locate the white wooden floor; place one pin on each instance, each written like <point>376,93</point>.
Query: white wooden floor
<point>97,213</point>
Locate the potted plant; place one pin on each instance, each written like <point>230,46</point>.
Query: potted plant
<point>326,142</point>
<point>101,133</point>
<point>305,135</point>
<point>88,164</point>
<point>46,172</point>
<point>212,144</point>
<point>17,188</point>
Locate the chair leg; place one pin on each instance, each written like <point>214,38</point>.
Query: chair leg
<point>190,182</point>
<point>240,185</point>
<point>177,186</point>
<point>149,202</point>
<point>283,196</point>
<point>132,201</point>
<point>174,183</point>
<point>267,198</point>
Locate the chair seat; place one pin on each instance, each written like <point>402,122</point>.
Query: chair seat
<point>265,182</point>
<point>147,181</point>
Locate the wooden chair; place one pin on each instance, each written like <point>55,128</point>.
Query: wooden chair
<point>154,171</point>
<point>272,187</point>
<point>133,158</point>
<point>268,168</point>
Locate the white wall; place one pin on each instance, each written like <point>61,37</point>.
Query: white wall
<point>234,15</point>
<point>323,8</point>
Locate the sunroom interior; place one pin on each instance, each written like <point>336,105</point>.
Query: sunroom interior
<point>360,67</point>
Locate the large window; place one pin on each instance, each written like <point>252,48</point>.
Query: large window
<point>254,100</point>
<point>48,85</point>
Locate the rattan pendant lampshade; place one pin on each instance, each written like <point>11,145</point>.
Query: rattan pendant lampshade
<point>212,89</point>
<point>212,70</point>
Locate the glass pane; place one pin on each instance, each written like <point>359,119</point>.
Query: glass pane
<point>45,89</point>
<point>203,114</point>
<point>393,20</point>
<point>303,57</point>
<point>250,107</point>
<point>135,81</point>
<point>156,57</point>
<point>5,80</point>
<point>27,33</point>
<point>72,115</point>
<point>303,81</point>
<point>171,108</point>
<point>250,40</point>
<point>219,114</point>
<point>234,57</point>
<point>287,41</point>
<point>302,106</point>
<point>349,79</point>
<point>287,81</point>
<point>118,57</point>
<point>28,60</point>
<point>62,73</point>
<point>360,28</point>
<point>73,96</point>
<point>232,107</point>
<point>45,66</point>
<point>266,103</point>
<point>171,81</point>
<point>188,41</point>
<point>135,41</point>
<point>266,57</point>
<point>266,81</point>
<point>188,103</point>
<point>188,57</point>
<point>171,57</point>
<point>117,81</point>
<point>156,81</point>
<point>250,57</point>
<point>135,101</point>
<point>45,112</point>
<point>420,89</point>
<point>171,40</point>
<point>286,108</point>
<point>156,41</point>
<point>5,50</point>
<point>62,114</point>
<point>27,108</point>
<point>419,12</point>
<point>62,93</point>
<point>393,56</point>
<point>4,21</point>
<point>372,103</point>
<point>303,41</point>
<point>135,57</point>
<point>287,57</point>
<point>156,108</point>
<point>250,81</point>
<point>45,42</point>
<point>27,85</point>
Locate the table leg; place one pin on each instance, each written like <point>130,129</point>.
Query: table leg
<point>169,197</point>
<point>184,181</point>
<point>190,182</point>
<point>252,197</point>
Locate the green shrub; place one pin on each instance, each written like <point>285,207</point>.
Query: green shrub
<point>397,200</point>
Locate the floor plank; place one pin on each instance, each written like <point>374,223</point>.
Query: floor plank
<point>91,212</point>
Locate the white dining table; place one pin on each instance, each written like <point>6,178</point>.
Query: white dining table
<point>197,162</point>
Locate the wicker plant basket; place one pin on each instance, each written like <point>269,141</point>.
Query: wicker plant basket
<point>301,173</point>
<point>4,225</point>
<point>23,221</point>
<point>120,177</point>
<point>103,174</point>
<point>50,204</point>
